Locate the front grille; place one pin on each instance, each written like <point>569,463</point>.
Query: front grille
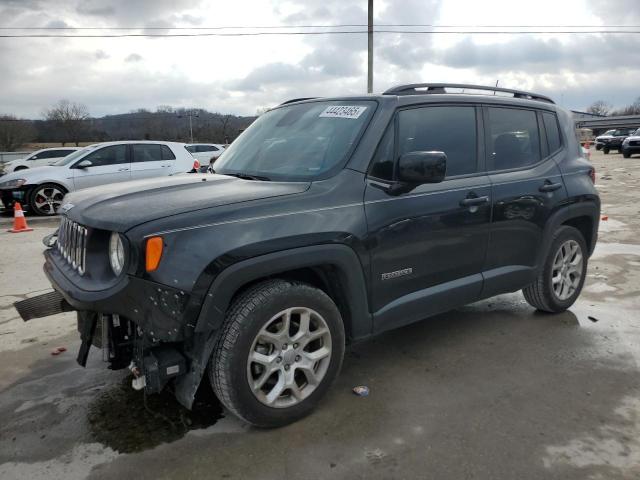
<point>634,143</point>
<point>72,244</point>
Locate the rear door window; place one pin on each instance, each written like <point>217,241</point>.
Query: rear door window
<point>147,152</point>
<point>514,139</point>
<point>206,148</point>
<point>167,154</point>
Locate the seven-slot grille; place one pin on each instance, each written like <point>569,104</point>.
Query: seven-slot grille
<point>72,244</point>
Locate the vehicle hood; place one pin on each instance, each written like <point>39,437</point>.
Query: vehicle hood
<point>35,175</point>
<point>602,137</point>
<point>122,206</point>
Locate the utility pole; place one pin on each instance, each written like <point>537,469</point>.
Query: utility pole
<point>370,49</point>
<point>190,114</point>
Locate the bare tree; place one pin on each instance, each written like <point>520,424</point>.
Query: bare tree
<point>70,118</point>
<point>633,109</point>
<point>14,132</point>
<point>224,122</point>
<point>600,107</point>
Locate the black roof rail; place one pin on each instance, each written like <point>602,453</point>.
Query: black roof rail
<point>296,100</point>
<point>430,88</point>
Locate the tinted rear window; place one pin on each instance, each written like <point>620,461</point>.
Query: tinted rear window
<point>514,138</point>
<point>147,153</point>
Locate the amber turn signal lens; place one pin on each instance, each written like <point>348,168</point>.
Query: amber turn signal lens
<point>154,253</point>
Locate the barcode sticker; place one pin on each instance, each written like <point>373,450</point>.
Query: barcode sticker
<point>343,111</point>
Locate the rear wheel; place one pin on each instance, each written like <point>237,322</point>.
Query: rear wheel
<point>280,348</point>
<point>46,199</point>
<point>560,281</point>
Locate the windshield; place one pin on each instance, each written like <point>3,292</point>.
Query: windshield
<point>608,132</point>
<point>74,156</point>
<point>297,142</point>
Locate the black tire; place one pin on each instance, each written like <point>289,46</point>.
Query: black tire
<point>605,150</point>
<point>540,293</point>
<point>598,147</point>
<point>50,209</point>
<point>626,154</point>
<point>248,314</point>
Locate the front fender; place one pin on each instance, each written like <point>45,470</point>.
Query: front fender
<point>234,277</point>
<point>342,257</point>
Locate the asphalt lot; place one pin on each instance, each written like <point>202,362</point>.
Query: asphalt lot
<point>490,391</point>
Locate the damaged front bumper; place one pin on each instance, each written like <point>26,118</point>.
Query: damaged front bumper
<point>137,323</point>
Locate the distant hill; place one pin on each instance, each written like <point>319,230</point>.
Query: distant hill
<point>165,123</point>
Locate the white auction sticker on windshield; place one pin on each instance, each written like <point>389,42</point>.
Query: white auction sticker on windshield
<point>343,111</point>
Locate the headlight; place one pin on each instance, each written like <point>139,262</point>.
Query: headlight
<point>18,182</point>
<point>116,253</point>
<point>625,141</point>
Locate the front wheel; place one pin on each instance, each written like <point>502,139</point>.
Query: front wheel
<point>560,281</point>
<point>605,150</point>
<point>280,348</point>
<point>46,199</point>
<point>626,154</point>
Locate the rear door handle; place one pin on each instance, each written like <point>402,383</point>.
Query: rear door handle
<point>549,187</point>
<point>474,201</point>
<point>123,169</point>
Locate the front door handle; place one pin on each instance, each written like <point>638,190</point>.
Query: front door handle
<point>123,169</point>
<point>549,187</point>
<point>474,201</point>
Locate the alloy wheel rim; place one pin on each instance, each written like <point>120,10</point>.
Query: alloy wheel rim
<point>566,271</point>
<point>289,357</point>
<point>48,200</point>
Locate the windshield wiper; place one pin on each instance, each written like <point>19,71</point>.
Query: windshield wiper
<point>246,176</point>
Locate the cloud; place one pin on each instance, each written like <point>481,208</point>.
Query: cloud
<point>240,74</point>
<point>101,55</point>
<point>133,57</point>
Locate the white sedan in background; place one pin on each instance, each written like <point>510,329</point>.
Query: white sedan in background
<point>205,152</point>
<point>40,158</point>
<point>42,189</point>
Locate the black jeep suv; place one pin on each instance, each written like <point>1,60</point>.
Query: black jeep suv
<point>326,221</point>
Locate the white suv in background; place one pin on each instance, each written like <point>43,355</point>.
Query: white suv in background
<point>40,158</point>
<point>42,189</point>
<point>205,152</point>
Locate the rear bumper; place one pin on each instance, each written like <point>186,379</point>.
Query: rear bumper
<point>159,311</point>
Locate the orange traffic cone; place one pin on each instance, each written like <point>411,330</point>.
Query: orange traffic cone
<point>19,222</point>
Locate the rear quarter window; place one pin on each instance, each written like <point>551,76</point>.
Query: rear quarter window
<point>552,130</point>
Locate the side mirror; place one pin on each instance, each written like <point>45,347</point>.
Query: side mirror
<point>84,164</point>
<point>416,168</point>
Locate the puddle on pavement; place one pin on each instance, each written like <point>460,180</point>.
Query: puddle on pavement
<point>121,419</point>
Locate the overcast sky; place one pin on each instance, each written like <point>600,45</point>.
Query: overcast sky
<point>241,74</point>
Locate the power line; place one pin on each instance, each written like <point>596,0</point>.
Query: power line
<point>342,32</point>
<point>347,25</point>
